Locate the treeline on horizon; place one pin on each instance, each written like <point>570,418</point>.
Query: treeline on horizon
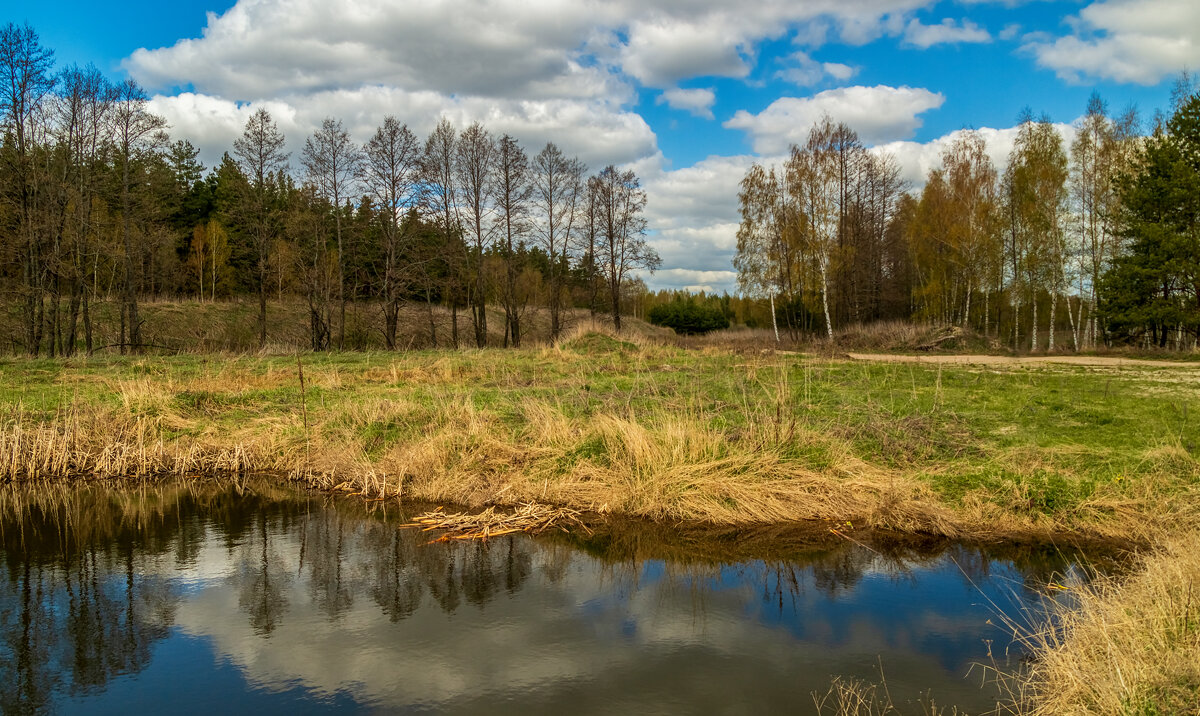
<point>99,205</point>
<point>1098,241</point>
<point>99,209</point>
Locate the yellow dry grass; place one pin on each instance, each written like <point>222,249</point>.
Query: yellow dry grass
<point>1123,647</point>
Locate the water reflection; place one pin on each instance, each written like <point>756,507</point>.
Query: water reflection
<point>257,596</point>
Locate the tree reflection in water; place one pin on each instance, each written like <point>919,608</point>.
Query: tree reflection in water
<point>95,575</point>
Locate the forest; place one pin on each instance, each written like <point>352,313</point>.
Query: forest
<point>101,206</point>
<point>1091,243</point>
<point>1068,246</point>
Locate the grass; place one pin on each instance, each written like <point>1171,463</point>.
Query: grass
<point>1123,647</point>
<point>635,427</point>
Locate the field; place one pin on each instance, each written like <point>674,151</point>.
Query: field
<point>701,433</point>
<point>645,429</point>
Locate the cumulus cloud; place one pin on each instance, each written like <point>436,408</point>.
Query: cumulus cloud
<point>696,101</point>
<point>598,132</point>
<point>802,70</point>
<point>1137,41</point>
<point>916,159</point>
<point>508,48</point>
<point>946,32</point>
<point>878,114</point>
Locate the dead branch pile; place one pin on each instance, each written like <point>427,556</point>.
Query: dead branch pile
<point>528,517</point>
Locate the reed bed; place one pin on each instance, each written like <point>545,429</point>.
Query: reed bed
<point>1121,646</point>
<point>529,517</point>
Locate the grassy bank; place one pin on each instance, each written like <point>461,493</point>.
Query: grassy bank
<point>643,429</point>
<point>1123,647</point>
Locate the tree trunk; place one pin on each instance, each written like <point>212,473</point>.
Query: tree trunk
<point>825,301</point>
<point>1033,327</point>
<point>774,322</point>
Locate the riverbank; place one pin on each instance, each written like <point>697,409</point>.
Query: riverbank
<point>645,430</point>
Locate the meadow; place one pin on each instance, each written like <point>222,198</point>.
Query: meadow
<point>704,435</point>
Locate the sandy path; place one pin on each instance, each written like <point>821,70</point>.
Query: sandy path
<point>1112,361</point>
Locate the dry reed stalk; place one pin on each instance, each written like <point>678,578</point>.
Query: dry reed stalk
<point>528,517</point>
<point>1116,646</point>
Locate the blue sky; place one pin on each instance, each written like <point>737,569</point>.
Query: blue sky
<point>688,93</point>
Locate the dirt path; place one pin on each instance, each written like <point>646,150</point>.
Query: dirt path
<point>1110,361</point>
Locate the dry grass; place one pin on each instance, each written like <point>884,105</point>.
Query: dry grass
<point>853,697</point>
<point>1123,646</point>
<point>482,526</point>
<point>620,424</point>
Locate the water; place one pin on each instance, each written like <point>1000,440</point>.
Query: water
<point>194,598</point>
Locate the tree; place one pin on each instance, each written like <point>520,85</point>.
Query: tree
<point>25,82</point>
<point>513,190</point>
<point>1153,292</point>
<point>766,239</point>
<point>687,315</point>
<point>557,186</point>
<point>331,162</point>
<point>622,228</point>
<point>1035,193</point>
<point>392,178</point>
<point>138,133</point>
<point>439,175</point>
<point>475,156</point>
<point>954,233</point>
<point>260,155</point>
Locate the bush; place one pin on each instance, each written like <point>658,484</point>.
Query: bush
<point>687,317</point>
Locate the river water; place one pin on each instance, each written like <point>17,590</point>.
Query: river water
<point>202,598</point>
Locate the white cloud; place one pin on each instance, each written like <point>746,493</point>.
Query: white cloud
<point>707,281</point>
<point>916,159</point>
<point>598,132</point>
<point>696,101</point>
<point>504,48</point>
<point>945,32</point>
<point>878,114</point>
<point>802,70</point>
<point>1138,41</point>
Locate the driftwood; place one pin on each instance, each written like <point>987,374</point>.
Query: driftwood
<point>529,517</point>
<point>946,334</point>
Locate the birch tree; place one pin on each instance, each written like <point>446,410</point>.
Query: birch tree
<point>475,157</point>
<point>137,132</point>
<point>260,155</point>
<point>513,190</point>
<point>557,189</point>
<point>622,248</point>
<point>392,178</point>
<point>331,162</point>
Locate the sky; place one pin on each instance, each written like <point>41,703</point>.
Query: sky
<point>688,93</point>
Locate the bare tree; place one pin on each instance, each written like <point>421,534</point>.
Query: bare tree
<point>85,100</point>
<point>557,187</point>
<point>475,156</point>
<point>332,161</point>
<point>392,178</point>
<point>25,82</point>
<point>440,178</point>
<point>512,191</point>
<point>260,155</point>
<point>623,248</point>
<point>137,132</point>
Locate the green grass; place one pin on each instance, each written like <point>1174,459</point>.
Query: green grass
<point>1048,440</point>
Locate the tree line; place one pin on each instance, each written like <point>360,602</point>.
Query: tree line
<point>98,204</point>
<point>1098,241</point>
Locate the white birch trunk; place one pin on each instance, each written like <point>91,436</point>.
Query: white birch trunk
<point>774,322</point>
<point>967,311</point>
<point>1053,307</point>
<point>825,300</point>
<point>1033,328</point>
<point>1074,324</point>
